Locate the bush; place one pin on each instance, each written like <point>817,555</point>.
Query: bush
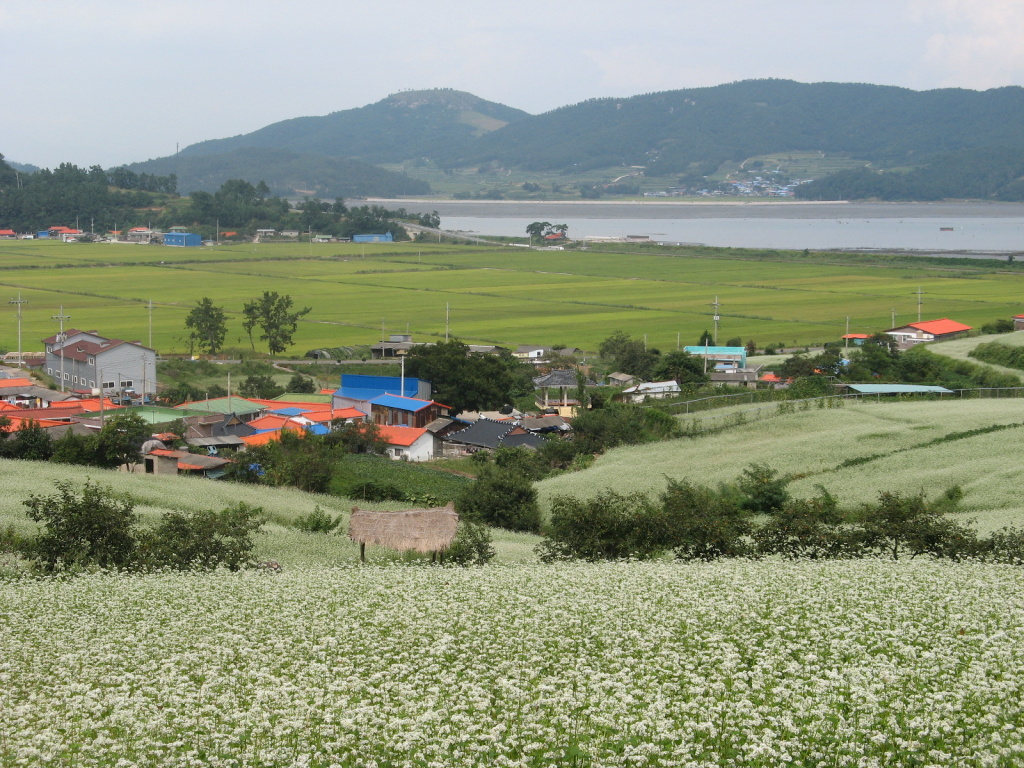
<point>203,540</point>
<point>501,499</point>
<point>609,526</point>
<point>763,490</point>
<point>1004,546</point>
<point>317,521</point>
<point>910,525</point>
<point>96,528</point>
<point>472,545</point>
<point>704,524</point>
<point>805,528</point>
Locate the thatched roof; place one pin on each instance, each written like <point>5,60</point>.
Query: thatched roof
<point>418,530</point>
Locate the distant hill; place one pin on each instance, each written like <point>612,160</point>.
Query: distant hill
<point>404,125</point>
<point>696,130</point>
<point>287,173</point>
<point>688,133</point>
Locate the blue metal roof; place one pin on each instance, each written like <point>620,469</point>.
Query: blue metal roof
<point>290,411</point>
<point>362,387</point>
<point>401,403</point>
<point>702,350</point>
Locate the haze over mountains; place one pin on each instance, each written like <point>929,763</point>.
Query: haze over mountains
<point>689,133</point>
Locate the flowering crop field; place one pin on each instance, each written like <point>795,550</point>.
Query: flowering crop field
<point>891,444</point>
<point>866,663</point>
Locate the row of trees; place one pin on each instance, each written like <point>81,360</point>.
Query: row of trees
<point>756,517</point>
<point>92,197</point>
<point>272,314</point>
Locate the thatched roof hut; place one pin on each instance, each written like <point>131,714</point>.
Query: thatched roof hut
<point>416,530</point>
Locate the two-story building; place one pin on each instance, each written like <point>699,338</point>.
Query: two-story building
<point>85,360</point>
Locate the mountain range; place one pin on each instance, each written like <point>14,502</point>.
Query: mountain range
<point>689,133</point>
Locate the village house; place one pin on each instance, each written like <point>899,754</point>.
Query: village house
<point>84,360</point>
<point>912,334</point>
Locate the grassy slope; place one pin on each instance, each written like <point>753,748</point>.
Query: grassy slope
<point>959,349</point>
<point>815,442</point>
<point>155,495</point>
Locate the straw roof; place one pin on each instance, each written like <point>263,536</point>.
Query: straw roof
<point>418,530</point>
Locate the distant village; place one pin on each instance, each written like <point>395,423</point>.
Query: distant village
<point>179,236</point>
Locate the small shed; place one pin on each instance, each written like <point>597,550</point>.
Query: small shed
<point>182,239</point>
<point>415,530</point>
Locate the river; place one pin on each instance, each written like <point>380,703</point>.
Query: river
<point>992,229</point>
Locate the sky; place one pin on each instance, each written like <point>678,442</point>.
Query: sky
<point>119,81</point>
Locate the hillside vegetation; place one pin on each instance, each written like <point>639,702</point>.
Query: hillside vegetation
<point>688,133</point>
<point>854,452</point>
<point>280,541</point>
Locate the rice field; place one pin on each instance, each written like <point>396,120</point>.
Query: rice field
<point>865,663</point>
<point>893,440</point>
<point>492,295</point>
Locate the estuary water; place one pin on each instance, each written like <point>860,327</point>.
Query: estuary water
<point>983,229</point>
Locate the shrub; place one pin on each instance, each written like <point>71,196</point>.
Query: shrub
<point>205,539</point>
<point>1003,546</point>
<point>472,546</point>
<point>704,524</point>
<point>909,525</point>
<point>764,491</point>
<point>501,499</point>
<point>96,528</point>
<point>317,521</point>
<point>805,528</point>
<point>609,526</point>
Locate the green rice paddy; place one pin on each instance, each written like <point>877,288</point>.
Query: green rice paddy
<point>507,296</point>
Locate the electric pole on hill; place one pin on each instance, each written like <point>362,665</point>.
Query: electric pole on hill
<point>18,302</point>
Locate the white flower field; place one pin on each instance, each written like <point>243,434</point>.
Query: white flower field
<point>865,663</point>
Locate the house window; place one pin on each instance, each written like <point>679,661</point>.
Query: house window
<point>109,385</point>
<point>49,371</point>
<point>75,379</point>
<point>67,377</point>
<point>92,383</point>
<point>92,360</point>
<point>128,383</point>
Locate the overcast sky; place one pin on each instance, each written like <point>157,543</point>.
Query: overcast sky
<point>117,81</point>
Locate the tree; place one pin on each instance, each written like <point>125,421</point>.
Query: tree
<point>203,539</point>
<point>273,314</point>
<point>609,526</point>
<point>537,229</point>
<point>94,528</point>
<point>900,524</point>
<point>682,367</point>
<point>703,524</point>
<point>260,386</point>
<point>207,326</point>
<point>764,490</point>
<point>301,384</point>
<point>120,439</point>
<point>502,499</point>
<point>469,382</point>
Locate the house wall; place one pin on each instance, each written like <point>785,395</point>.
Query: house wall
<point>128,363</point>
<point>423,449</point>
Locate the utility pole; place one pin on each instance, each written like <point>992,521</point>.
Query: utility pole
<point>847,337</point>
<point>18,302</point>
<point>150,323</point>
<point>447,315</point>
<point>716,305</point>
<point>893,321</point>
<point>919,304</point>
<point>60,338</point>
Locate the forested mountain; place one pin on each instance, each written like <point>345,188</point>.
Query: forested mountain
<point>978,174</point>
<point>287,173</point>
<point>670,132</point>
<point>698,129</point>
<point>404,125</point>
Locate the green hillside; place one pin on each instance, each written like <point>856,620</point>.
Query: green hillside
<point>286,172</point>
<point>404,125</point>
<point>854,452</point>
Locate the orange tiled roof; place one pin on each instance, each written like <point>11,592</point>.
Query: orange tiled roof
<point>940,327</point>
